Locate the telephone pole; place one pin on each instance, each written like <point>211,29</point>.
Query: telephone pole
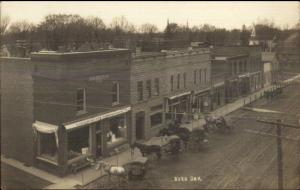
<point>278,125</point>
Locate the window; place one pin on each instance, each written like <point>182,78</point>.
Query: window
<point>156,119</point>
<point>200,71</point>
<point>148,87</point>
<point>178,81</point>
<point>140,90</point>
<point>78,141</point>
<point>117,130</point>
<point>205,75</point>
<point>156,86</point>
<point>172,82</point>
<point>195,76</point>
<point>184,80</point>
<point>81,107</point>
<point>47,147</point>
<point>115,93</point>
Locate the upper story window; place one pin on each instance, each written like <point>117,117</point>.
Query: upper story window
<point>115,93</point>
<point>200,80</point>
<point>205,72</point>
<point>172,82</point>
<point>195,76</point>
<point>178,81</point>
<point>156,86</point>
<point>140,90</point>
<point>148,87</point>
<point>184,80</point>
<point>80,100</point>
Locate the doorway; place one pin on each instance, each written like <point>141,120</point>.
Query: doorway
<point>140,125</point>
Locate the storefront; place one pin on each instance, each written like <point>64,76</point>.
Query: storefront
<point>62,146</point>
<point>201,101</point>
<point>178,107</point>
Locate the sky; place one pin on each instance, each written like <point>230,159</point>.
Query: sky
<point>221,14</point>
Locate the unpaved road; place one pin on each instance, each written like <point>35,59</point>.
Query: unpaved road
<point>239,160</point>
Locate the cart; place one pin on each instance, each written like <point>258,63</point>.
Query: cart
<point>137,168</point>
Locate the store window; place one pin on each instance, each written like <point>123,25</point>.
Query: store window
<point>81,100</point>
<point>156,86</point>
<point>115,93</point>
<point>117,130</point>
<point>78,142</point>
<point>178,81</point>
<point>156,119</point>
<point>148,88</point>
<point>172,82</point>
<point>140,90</point>
<point>47,147</point>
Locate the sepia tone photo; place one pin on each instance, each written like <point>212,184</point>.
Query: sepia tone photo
<point>150,95</point>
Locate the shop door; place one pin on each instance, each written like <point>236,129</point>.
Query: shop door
<point>140,125</point>
<point>99,143</point>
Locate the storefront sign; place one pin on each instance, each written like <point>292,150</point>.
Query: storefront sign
<point>97,118</point>
<point>98,78</point>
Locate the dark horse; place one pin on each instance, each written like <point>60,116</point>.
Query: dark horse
<point>148,149</point>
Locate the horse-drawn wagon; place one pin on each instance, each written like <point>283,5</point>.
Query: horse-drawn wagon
<point>137,168</point>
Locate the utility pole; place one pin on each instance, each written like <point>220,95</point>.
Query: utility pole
<point>279,124</point>
<point>279,155</point>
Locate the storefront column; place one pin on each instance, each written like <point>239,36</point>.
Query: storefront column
<point>92,139</point>
<point>128,126</point>
<point>62,151</point>
<point>105,131</point>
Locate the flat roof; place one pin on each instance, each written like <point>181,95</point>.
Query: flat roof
<point>55,56</point>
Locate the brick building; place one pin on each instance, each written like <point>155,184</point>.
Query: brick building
<point>78,105</point>
<point>17,109</point>
<point>241,69</point>
<point>166,85</point>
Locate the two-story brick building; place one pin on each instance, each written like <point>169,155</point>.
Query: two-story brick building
<point>78,106</point>
<point>165,86</point>
<point>240,68</point>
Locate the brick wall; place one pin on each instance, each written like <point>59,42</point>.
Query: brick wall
<point>16,109</point>
<point>163,67</point>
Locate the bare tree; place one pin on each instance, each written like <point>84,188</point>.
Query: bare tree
<point>4,22</point>
<point>121,25</point>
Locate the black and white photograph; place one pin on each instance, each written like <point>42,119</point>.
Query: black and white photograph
<point>150,94</point>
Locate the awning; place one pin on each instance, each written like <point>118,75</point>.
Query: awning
<point>96,118</point>
<point>179,95</point>
<point>202,90</point>
<point>46,128</point>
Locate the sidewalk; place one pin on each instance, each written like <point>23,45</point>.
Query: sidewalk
<point>230,107</point>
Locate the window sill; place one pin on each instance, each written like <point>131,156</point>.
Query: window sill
<point>115,103</point>
<point>47,160</point>
<point>81,112</point>
<point>111,145</point>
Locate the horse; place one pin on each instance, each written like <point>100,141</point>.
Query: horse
<point>118,171</point>
<point>112,170</point>
<point>148,149</point>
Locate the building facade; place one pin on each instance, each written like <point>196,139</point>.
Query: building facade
<point>241,69</point>
<point>164,87</point>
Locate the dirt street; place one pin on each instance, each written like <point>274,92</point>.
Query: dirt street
<point>240,160</point>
